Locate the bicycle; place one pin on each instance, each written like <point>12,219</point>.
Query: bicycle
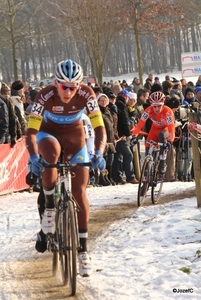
<point>64,244</point>
<point>150,176</point>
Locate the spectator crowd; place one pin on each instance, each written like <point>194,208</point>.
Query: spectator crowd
<point>121,105</point>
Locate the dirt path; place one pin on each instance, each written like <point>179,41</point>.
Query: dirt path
<point>33,279</point>
<point>102,219</point>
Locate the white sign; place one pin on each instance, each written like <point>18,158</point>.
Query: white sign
<point>191,64</point>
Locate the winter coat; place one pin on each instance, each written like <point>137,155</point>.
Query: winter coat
<point>108,122</point>
<point>136,87</point>
<point>123,117</point>
<point>19,111</point>
<point>148,84</point>
<point>114,112</point>
<point>4,121</point>
<point>18,102</point>
<point>12,118</point>
<point>176,92</point>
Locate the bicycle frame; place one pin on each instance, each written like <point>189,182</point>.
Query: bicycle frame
<point>149,174</point>
<point>65,242</point>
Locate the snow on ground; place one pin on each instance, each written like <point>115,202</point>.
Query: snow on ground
<point>155,254</point>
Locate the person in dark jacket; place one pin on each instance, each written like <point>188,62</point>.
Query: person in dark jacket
<point>114,112</point>
<point>11,135</point>
<point>149,82</point>
<point>108,154</point>
<point>123,158</point>
<point>15,133</point>
<point>167,87</point>
<point>17,96</point>
<point>4,122</point>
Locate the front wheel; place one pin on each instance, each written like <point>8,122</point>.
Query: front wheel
<point>157,185</point>
<point>55,263</point>
<point>144,182</point>
<point>70,245</point>
<point>61,252</point>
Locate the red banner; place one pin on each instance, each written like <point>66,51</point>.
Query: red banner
<point>13,167</point>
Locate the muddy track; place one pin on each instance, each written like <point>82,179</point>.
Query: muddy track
<point>101,219</point>
<point>33,279</point>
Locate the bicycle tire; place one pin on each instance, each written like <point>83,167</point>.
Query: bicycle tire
<point>143,182</point>
<point>157,185</point>
<point>61,252</point>
<point>70,245</point>
<point>55,263</point>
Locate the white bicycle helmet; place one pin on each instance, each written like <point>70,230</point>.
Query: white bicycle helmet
<point>157,98</point>
<point>70,71</point>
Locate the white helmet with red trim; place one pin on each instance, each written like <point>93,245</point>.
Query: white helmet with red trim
<point>157,98</point>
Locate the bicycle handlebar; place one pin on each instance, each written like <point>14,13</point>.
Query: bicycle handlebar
<point>151,142</point>
<point>67,165</point>
<point>31,178</point>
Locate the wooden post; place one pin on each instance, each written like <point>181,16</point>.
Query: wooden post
<point>196,159</point>
<point>136,162</point>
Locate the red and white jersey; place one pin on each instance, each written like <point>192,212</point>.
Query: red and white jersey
<point>161,121</point>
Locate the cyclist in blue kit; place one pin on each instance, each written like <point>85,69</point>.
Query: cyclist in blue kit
<point>55,124</point>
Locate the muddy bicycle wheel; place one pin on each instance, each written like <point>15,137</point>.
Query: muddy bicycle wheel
<point>143,182</point>
<point>61,252</point>
<point>157,185</point>
<point>55,259</point>
<point>70,245</point>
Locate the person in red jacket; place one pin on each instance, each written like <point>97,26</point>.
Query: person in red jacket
<point>162,129</point>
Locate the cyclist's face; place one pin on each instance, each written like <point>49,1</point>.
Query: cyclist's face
<point>158,109</point>
<point>66,90</point>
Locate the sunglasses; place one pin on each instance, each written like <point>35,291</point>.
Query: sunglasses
<point>65,87</point>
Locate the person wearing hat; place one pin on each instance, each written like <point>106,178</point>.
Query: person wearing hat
<point>131,107</point>
<point>106,175</point>
<point>114,111</point>
<point>177,89</point>
<point>17,96</point>
<point>123,158</point>
<point>189,96</point>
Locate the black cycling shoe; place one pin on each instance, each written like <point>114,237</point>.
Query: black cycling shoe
<point>41,244</point>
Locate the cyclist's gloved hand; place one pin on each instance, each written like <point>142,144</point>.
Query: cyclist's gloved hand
<point>133,141</point>
<point>98,161</point>
<point>37,166</point>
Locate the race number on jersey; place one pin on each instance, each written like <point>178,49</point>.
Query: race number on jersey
<point>92,106</point>
<point>37,109</point>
